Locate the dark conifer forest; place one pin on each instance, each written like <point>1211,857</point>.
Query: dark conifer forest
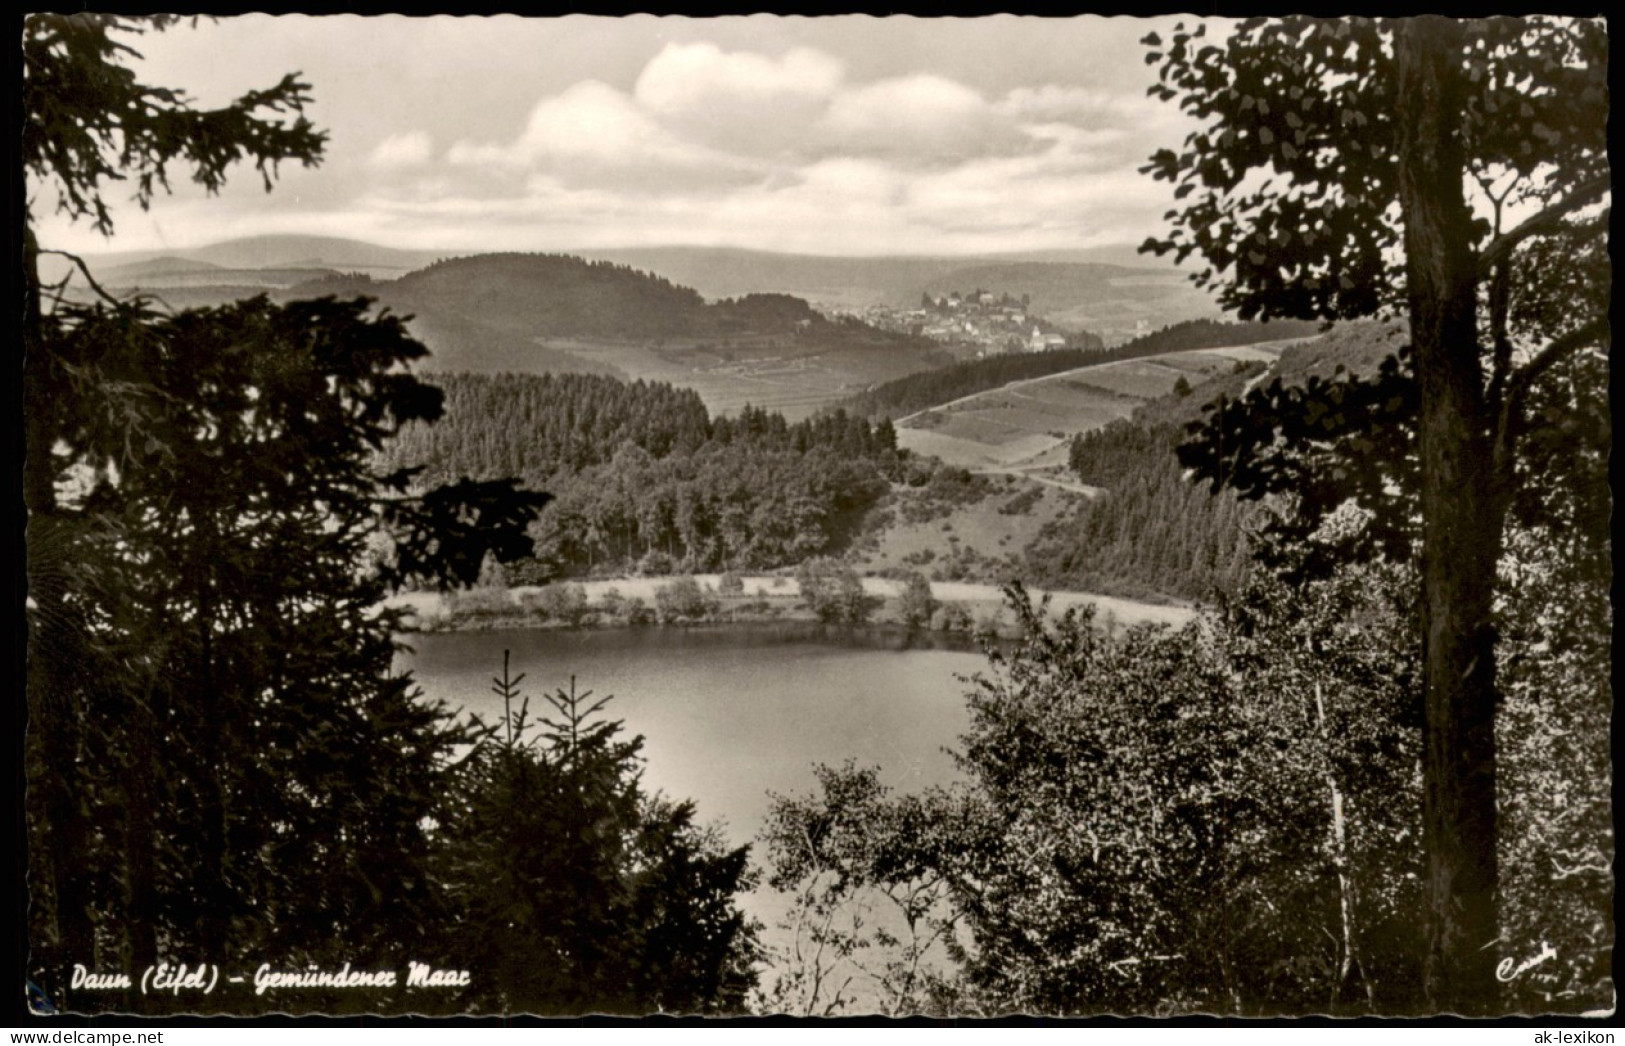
<point>644,478</point>
<point>1150,532</point>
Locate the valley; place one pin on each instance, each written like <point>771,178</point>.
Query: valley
<point>971,481</point>
<point>530,314</point>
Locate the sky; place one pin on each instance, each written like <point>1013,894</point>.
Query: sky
<point>836,135</point>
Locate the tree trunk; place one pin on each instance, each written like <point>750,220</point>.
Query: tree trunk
<point>1461,524</point>
<point>1348,963</point>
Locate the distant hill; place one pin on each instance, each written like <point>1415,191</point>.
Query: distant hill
<point>1154,531</point>
<point>273,252</point>
<point>1358,347</point>
<point>165,265</point>
<point>737,325</point>
<point>1068,287</point>
<point>145,277</point>
<point>1110,290</point>
<point>539,313</point>
<point>557,296</point>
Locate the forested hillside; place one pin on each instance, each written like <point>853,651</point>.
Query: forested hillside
<point>563,296</point>
<point>1153,532</point>
<point>644,479</point>
<point>918,392</point>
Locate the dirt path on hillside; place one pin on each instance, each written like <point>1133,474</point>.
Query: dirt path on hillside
<point>1032,474</point>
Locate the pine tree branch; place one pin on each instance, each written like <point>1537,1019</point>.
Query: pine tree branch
<point>85,269</point>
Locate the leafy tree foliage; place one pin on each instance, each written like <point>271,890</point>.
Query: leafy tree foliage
<point>1385,135</point>
<point>917,606</point>
<point>683,599</point>
<point>576,891</point>
<point>869,923</point>
<point>1222,818</point>
<point>1555,791</point>
<point>834,592</point>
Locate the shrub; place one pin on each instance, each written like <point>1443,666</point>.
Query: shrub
<point>655,564</point>
<point>1023,502</point>
<point>953,617</point>
<point>637,612</point>
<point>479,602</point>
<point>834,592</point>
<point>917,605</point>
<point>565,602</point>
<point>684,599</point>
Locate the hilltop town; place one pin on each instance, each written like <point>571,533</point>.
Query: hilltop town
<point>993,324</point>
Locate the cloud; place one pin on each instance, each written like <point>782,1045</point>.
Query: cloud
<point>775,148</point>
<point>738,101</point>
<point>592,133</point>
<point>1055,198</point>
<point>401,151</point>
<point>684,78</point>
<point>921,117</point>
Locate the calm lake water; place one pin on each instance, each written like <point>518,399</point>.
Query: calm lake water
<point>730,714</point>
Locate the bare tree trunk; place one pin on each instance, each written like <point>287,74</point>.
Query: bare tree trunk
<point>1349,961</point>
<point>1461,524</point>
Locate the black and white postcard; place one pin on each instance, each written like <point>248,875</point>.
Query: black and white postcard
<point>817,516</point>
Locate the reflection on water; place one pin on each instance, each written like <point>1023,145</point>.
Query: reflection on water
<point>729,714</point>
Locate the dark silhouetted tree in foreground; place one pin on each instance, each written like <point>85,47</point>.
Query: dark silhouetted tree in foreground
<point>224,766</point>
<point>572,890</point>
<point>1336,174</point>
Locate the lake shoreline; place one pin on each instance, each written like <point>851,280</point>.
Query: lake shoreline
<point>963,610</point>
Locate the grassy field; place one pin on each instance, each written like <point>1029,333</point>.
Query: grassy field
<point>1024,423</point>
<point>794,381</point>
<point>974,540</point>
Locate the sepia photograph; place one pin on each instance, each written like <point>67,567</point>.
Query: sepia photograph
<point>771,516</point>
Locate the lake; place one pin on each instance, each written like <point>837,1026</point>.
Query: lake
<point>730,713</point>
